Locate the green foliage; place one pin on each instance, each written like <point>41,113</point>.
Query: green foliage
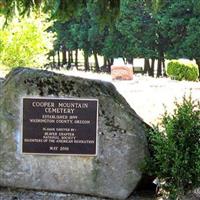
<point>176,149</point>
<point>138,27</point>
<point>60,9</point>
<point>82,32</point>
<point>179,23</point>
<point>24,43</point>
<point>179,71</point>
<point>115,44</point>
<point>151,29</point>
<point>65,35</point>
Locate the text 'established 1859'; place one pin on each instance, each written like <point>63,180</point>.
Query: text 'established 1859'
<point>59,126</point>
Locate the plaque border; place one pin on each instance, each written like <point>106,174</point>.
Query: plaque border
<point>57,98</point>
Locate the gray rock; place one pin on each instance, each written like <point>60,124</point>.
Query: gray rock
<point>122,145</point>
<point>1,80</point>
<point>1,83</point>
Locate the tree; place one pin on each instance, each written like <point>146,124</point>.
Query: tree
<point>25,43</point>
<point>138,26</point>
<point>180,24</point>
<point>115,45</point>
<point>60,9</point>
<point>191,43</point>
<point>96,33</point>
<point>65,40</point>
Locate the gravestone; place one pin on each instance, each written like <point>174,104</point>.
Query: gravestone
<point>121,71</point>
<point>111,145</point>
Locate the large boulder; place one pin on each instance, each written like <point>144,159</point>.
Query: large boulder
<point>122,146</point>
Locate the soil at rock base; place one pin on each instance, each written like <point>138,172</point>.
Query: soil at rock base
<point>19,194</point>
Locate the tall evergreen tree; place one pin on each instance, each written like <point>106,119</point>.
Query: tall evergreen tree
<point>138,26</point>
<point>180,24</point>
<point>60,9</point>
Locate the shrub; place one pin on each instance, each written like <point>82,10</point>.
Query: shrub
<point>180,71</point>
<point>25,42</point>
<point>175,144</point>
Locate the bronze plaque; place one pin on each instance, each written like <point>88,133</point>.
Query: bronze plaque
<point>59,126</point>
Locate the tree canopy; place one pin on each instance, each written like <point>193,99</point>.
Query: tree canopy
<point>150,29</point>
<point>60,9</point>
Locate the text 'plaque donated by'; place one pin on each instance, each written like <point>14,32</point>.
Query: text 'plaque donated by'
<point>59,126</point>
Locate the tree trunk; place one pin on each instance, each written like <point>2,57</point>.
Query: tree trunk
<point>96,63</point>
<point>64,55</point>
<point>160,63</point>
<point>164,70</point>
<point>159,68</point>
<point>129,60</point>
<point>146,66</point>
<point>104,66</point>
<point>54,61</point>
<point>72,57</point>
<point>197,60</point>
<point>110,62</point>
<point>104,62</point>
<point>86,61</point>
<point>151,71</point>
<point>69,60</point>
<point>58,59</point>
<point>76,58</point>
